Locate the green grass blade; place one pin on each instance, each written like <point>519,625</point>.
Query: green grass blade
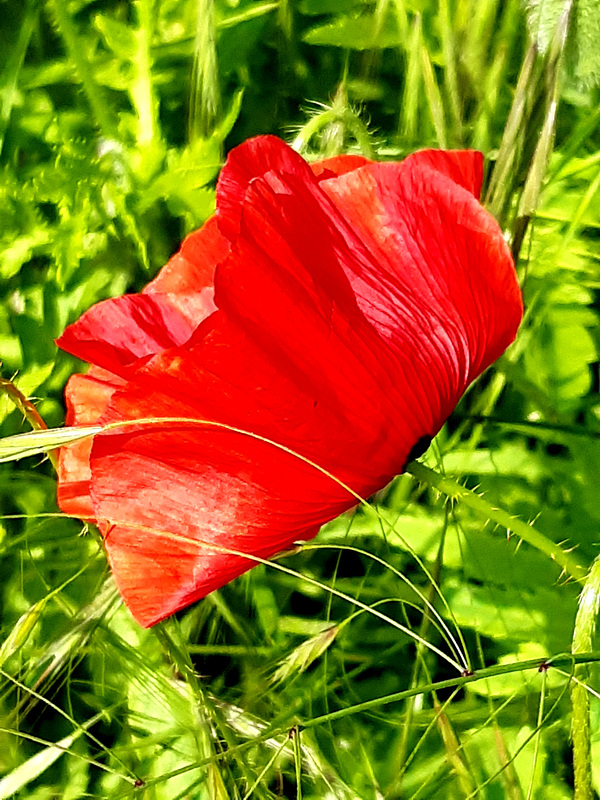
<point>35,443</point>
<point>35,766</point>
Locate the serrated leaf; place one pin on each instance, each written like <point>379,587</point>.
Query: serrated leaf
<point>230,118</point>
<point>184,183</point>
<point>20,251</point>
<point>542,18</point>
<point>132,69</point>
<point>583,54</point>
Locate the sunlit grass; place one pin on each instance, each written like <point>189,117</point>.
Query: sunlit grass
<point>412,650</point>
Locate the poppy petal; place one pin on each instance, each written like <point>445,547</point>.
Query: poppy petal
<point>227,493</point>
<point>87,398</point>
<point>435,248</point>
<point>353,312</point>
<point>338,165</point>
<point>263,157</point>
<point>192,268</point>
<point>463,167</point>
<point>226,489</point>
<point>115,334</point>
<point>414,251</point>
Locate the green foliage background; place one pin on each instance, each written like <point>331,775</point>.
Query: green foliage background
<point>114,120</point>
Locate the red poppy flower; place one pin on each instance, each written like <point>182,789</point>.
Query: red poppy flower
<point>320,325</point>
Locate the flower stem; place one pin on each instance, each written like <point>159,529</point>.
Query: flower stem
<point>454,490</point>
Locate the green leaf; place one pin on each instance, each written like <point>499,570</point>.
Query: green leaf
<point>536,614</point>
<point>364,32</point>
<point>542,19</point>
<point>20,251</point>
<point>560,354</point>
<point>183,185</point>
<point>132,69</point>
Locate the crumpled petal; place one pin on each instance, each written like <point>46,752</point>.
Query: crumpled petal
<point>354,302</point>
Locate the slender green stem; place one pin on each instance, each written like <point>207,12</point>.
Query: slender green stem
<point>170,636</point>
<point>448,35</point>
<point>543,150</point>
<point>337,114</point>
<point>12,68</point>
<point>313,126</point>
<point>488,672</point>
<point>434,98</point>
<point>205,100</point>
<point>360,132</point>
<point>454,490</point>
<point>583,634</point>
<point>253,12</point>
<point>538,735</point>
<point>419,662</point>
<point>142,90</point>
<point>408,122</point>
<point>500,184</point>
<point>295,734</point>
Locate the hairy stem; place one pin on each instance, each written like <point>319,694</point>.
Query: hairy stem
<point>454,490</point>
